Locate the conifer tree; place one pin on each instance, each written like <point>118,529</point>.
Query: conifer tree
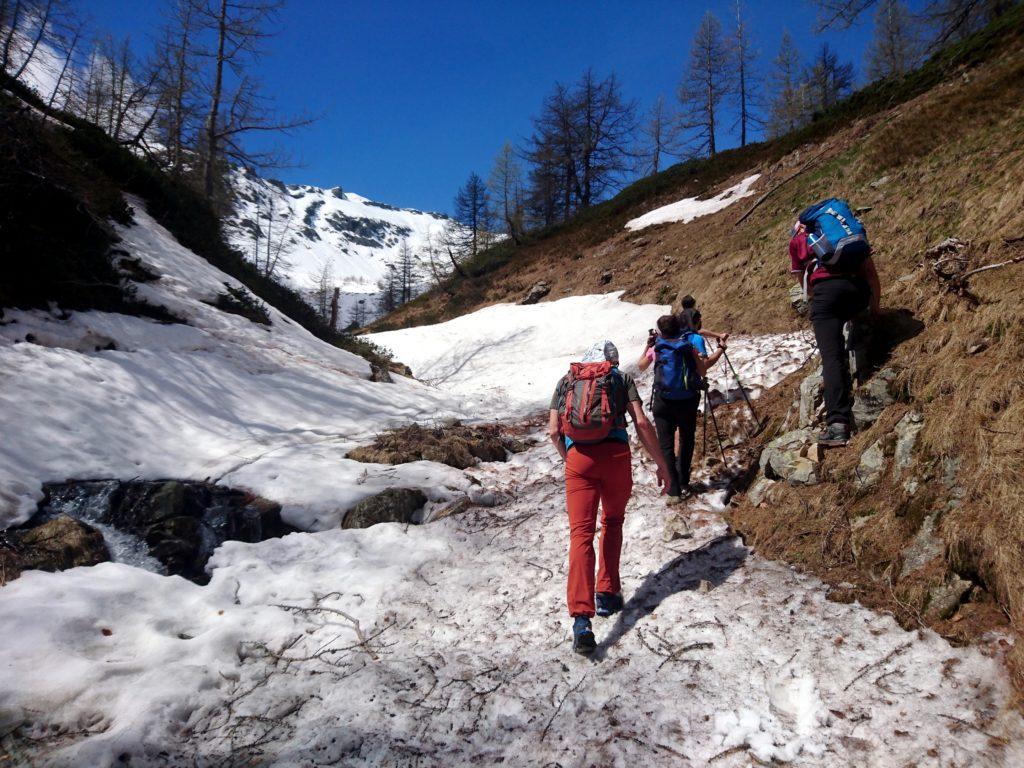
<point>895,47</point>
<point>789,93</point>
<point>704,86</point>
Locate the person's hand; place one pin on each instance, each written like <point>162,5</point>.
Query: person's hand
<point>723,338</point>
<point>722,342</point>
<point>661,474</point>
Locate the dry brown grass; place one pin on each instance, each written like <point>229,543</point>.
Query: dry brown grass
<point>457,445</point>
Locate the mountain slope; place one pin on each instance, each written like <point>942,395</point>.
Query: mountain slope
<point>939,162</point>
<point>313,228</point>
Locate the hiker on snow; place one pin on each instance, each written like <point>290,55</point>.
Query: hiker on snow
<point>587,424</point>
<point>690,303</point>
<point>681,361</point>
<point>830,257</point>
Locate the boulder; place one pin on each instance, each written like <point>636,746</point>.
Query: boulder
<point>782,459</point>
<point>872,465</point>
<point>394,505</point>
<point>811,398</point>
<point>945,599</point>
<point>907,430</point>
<point>536,293</point>
<point>606,277</point>
<point>925,547</point>
<point>874,397</point>
<point>761,490</point>
<point>60,543</point>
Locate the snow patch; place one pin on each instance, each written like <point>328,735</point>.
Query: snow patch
<point>691,208</point>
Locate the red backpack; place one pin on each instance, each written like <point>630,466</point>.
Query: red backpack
<point>593,402</point>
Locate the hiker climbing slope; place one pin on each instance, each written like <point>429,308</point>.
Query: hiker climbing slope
<point>830,256</point>
<point>681,360</point>
<point>587,424</point>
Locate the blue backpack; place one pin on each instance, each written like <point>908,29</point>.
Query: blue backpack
<point>836,237</point>
<point>675,371</point>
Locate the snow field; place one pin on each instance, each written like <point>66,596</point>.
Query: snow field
<point>196,401</point>
<point>691,208</point>
<point>438,644</point>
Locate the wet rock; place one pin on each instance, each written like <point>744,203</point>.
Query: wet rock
<point>58,544</point>
<point>606,277</point>
<point>872,464</point>
<point>380,374</point>
<point>782,459</point>
<point>907,430</point>
<point>179,523</point>
<point>925,547</point>
<point>536,293</point>
<point>811,398</point>
<point>945,599</point>
<point>395,505</point>
<point>874,397</point>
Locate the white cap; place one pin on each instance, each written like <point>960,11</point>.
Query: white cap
<point>600,351</point>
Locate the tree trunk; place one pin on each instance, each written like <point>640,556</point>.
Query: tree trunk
<point>334,308</point>
<point>210,161</point>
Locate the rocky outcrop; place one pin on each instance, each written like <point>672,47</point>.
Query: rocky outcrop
<point>907,430</point>
<point>811,399</point>
<point>874,397</point>
<point>872,465</point>
<point>785,458</point>
<point>395,505</point>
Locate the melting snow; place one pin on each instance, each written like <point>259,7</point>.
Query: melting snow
<point>439,644</point>
<point>691,208</point>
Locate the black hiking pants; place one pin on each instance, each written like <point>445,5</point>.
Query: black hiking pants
<point>834,301</point>
<point>669,416</point>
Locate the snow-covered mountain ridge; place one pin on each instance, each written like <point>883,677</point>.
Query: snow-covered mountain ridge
<point>311,227</point>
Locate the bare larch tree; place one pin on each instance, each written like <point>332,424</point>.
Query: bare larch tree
<point>704,85</point>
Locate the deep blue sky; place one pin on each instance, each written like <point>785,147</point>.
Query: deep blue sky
<point>415,95</point>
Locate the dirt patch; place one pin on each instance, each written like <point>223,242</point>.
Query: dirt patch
<point>456,445</point>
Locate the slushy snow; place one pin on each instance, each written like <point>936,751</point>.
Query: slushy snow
<point>440,644</point>
<point>691,208</point>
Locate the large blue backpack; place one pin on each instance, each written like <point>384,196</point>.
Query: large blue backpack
<point>835,235</point>
<point>675,371</point>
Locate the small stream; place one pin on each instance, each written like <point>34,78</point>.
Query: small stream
<point>168,527</point>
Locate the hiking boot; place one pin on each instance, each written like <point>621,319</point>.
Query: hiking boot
<point>673,500</point>
<point>697,487</point>
<point>608,603</point>
<point>583,636</point>
<point>835,435</point>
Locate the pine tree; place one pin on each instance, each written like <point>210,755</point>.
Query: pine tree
<point>506,190</point>
<point>472,205</point>
<point>659,138</point>
<point>704,85</point>
<point>895,48</point>
<point>790,106</point>
<point>828,79</point>
<point>407,271</point>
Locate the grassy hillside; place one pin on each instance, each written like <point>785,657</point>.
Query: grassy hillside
<point>937,154</point>
<point>706,257</point>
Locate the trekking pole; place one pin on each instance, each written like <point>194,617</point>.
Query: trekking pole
<point>742,389</point>
<point>718,433</point>
<point>704,439</point>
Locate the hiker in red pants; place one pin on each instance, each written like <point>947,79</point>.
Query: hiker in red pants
<point>587,424</point>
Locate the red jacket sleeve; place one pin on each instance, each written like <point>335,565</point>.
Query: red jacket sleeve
<point>799,253</point>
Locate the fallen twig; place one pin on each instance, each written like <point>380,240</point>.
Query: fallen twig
<point>973,727</point>
<point>558,709</point>
<point>867,667</point>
